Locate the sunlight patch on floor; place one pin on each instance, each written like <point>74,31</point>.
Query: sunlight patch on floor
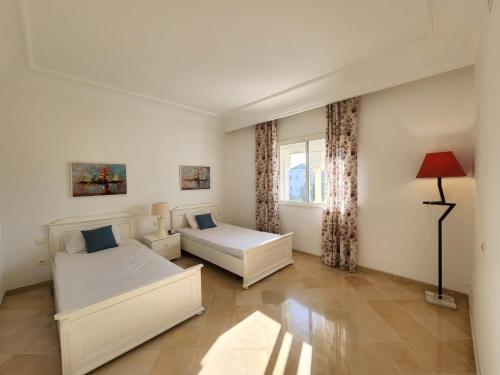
<point>247,348</point>
<point>279,368</point>
<point>243,349</point>
<point>305,360</point>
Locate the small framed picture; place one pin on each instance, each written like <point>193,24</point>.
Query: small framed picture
<point>194,177</point>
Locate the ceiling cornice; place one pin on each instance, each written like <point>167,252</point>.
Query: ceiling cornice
<point>327,89</point>
<point>25,19</point>
<point>229,124</point>
<point>300,97</point>
<point>122,91</point>
<point>427,9</point>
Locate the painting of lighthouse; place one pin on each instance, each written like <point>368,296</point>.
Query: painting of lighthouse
<point>89,179</point>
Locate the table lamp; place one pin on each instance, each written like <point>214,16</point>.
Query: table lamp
<point>161,210</point>
<point>439,165</point>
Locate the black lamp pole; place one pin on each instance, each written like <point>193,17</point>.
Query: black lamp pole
<point>451,206</point>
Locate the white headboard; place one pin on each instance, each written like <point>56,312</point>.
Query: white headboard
<point>124,220</point>
<point>178,214</point>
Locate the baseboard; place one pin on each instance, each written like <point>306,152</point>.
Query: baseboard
<point>27,287</point>
<point>399,278</point>
<point>473,333</point>
<point>409,281</point>
<point>307,253</point>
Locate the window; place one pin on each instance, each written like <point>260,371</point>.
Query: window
<point>302,171</point>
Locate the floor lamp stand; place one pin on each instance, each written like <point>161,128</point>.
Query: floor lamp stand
<point>432,297</point>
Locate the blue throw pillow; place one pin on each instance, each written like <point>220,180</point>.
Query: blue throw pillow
<point>99,239</point>
<point>205,221</point>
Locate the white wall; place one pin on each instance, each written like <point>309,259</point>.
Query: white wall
<point>239,177</point>
<point>397,127</point>
<point>11,58</point>
<point>46,123</point>
<point>398,234</point>
<point>304,222</point>
<point>486,275</point>
<point>239,183</point>
<point>11,52</point>
<point>2,265</point>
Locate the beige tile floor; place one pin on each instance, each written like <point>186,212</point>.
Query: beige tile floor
<point>307,318</point>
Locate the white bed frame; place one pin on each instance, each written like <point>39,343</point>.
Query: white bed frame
<point>95,334</point>
<point>257,263</point>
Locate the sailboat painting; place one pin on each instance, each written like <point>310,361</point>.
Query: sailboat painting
<point>89,179</point>
<point>194,177</point>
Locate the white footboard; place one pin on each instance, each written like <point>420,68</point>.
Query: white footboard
<point>94,335</point>
<point>265,259</point>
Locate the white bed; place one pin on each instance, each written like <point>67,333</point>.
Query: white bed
<point>85,279</point>
<point>248,253</point>
<point>110,301</point>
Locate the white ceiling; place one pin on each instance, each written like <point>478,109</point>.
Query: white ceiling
<point>232,58</point>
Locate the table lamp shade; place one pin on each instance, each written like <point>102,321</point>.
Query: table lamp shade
<point>160,209</point>
<point>440,164</point>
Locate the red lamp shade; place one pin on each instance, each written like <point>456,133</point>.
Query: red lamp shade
<point>440,164</point>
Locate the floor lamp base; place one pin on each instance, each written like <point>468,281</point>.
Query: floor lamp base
<point>445,301</point>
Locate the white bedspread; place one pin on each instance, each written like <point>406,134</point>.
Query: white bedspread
<point>230,239</point>
<point>82,279</point>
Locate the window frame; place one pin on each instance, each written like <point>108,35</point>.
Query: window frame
<point>305,140</point>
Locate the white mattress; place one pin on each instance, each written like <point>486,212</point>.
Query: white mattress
<point>82,279</point>
<point>229,239</point>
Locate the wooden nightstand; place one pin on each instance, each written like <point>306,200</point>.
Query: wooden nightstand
<point>168,246</point>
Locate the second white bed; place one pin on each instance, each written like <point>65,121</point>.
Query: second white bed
<point>251,254</point>
<point>229,239</point>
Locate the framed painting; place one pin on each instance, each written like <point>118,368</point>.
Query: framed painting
<point>90,179</point>
<point>194,177</point>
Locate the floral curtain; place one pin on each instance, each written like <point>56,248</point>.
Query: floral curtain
<point>339,225</point>
<point>267,177</point>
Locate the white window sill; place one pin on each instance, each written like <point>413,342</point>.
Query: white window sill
<point>301,204</point>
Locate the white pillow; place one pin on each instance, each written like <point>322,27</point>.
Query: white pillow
<point>192,221</point>
<point>74,242</point>
<point>116,234</point>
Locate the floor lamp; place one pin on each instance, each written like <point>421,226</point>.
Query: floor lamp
<point>439,165</point>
